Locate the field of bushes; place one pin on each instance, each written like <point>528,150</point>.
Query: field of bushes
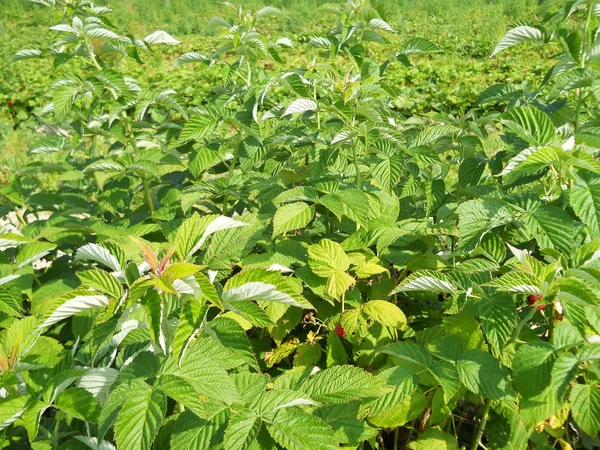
<point>300,225</point>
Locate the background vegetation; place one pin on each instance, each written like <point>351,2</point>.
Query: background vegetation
<point>467,31</point>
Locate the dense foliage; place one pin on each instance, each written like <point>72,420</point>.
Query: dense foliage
<point>292,263</point>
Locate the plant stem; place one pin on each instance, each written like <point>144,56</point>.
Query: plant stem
<point>91,52</point>
<point>358,176</point>
<point>148,196</point>
<point>396,438</point>
<point>520,326</point>
<point>485,412</point>
<point>229,176</point>
<point>584,54</point>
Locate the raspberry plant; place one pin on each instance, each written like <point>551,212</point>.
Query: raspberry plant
<point>294,264</point>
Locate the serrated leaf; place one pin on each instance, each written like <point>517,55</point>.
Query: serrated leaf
<point>296,430</point>
<point>160,37</point>
<point>301,105</point>
<point>242,430</point>
<point>32,252</point>
<point>341,384</point>
<point>585,406</point>
<point>73,303</point>
<point>97,253</point>
<point>193,433</point>
<point>291,217</point>
<point>140,418</point>
<point>482,374</point>
<point>425,280</point>
<point>101,281</point>
<point>498,319</point>
<point>518,35</point>
<point>386,313</point>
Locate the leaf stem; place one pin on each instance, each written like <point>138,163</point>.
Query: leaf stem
<point>485,412</point>
<point>358,175</point>
<point>92,56</point>
<point>229,176</point>
<point>148,196</point>
<point>520,326</point>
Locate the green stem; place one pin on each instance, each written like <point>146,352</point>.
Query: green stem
<point>358,175</point>
<point>578,109</point>
<point>586,34</point>
<point>485,412</point>
<point>520,326</point>
<point>396,438</point>
<point>91,53</point>
<point>229,176</point>
<point>584,55</point>
<point>148,196</point>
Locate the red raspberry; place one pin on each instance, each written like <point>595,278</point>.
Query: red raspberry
<point>339,330</point>
<point>535,298</point>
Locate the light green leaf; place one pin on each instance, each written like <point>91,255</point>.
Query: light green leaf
<point>482,374</point>
<point>140,417</point>
<point>11,408</point>
<point>32,252</point>
<point>291,217</point>
<point>434,439</point>
<point>327,257</point>
<point>584,197</point>
<point>426,280</point>
<point>340,384</point>
<point>242,430</point>
<point>101,281</point>
<point>385,312</point>
<point>585,405</point>
<point>296,430</point>
<point>193,433</point>
<point>498,319</point>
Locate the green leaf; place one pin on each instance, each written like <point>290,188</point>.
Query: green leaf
<point>519,282</point>
<point>264,286</point>
<point>518,35</point>
<point>584,197</point>
<point>336,353</point>
<point>32,252</point>
<point>341,384</point>
<point>585,406</point>
<point>231,338</point>
<point>327,257</point>
<point>140,417</point>
<point>482,374</point>
<point>476,218</point>
<point>532,367</point>
<point>426,280</point>
<point>242,430</point>
<point>193,433</point>
<point>296,430</point>
<point>291,217</point>
<point>530,124</point>
<point>72,303</point>
<point>204,375</point>
<point>386,313</point>
<point>101,281</point>
<point>11,408</point>
<point>78,403</point>
<point>434,439</point>
<point>338,283</point>
<point>342,418</point>
<point>409,352</point>
<point>300,106</point>
<point>498,319</point>
<point>181,391</point>
<point>388,172</point>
